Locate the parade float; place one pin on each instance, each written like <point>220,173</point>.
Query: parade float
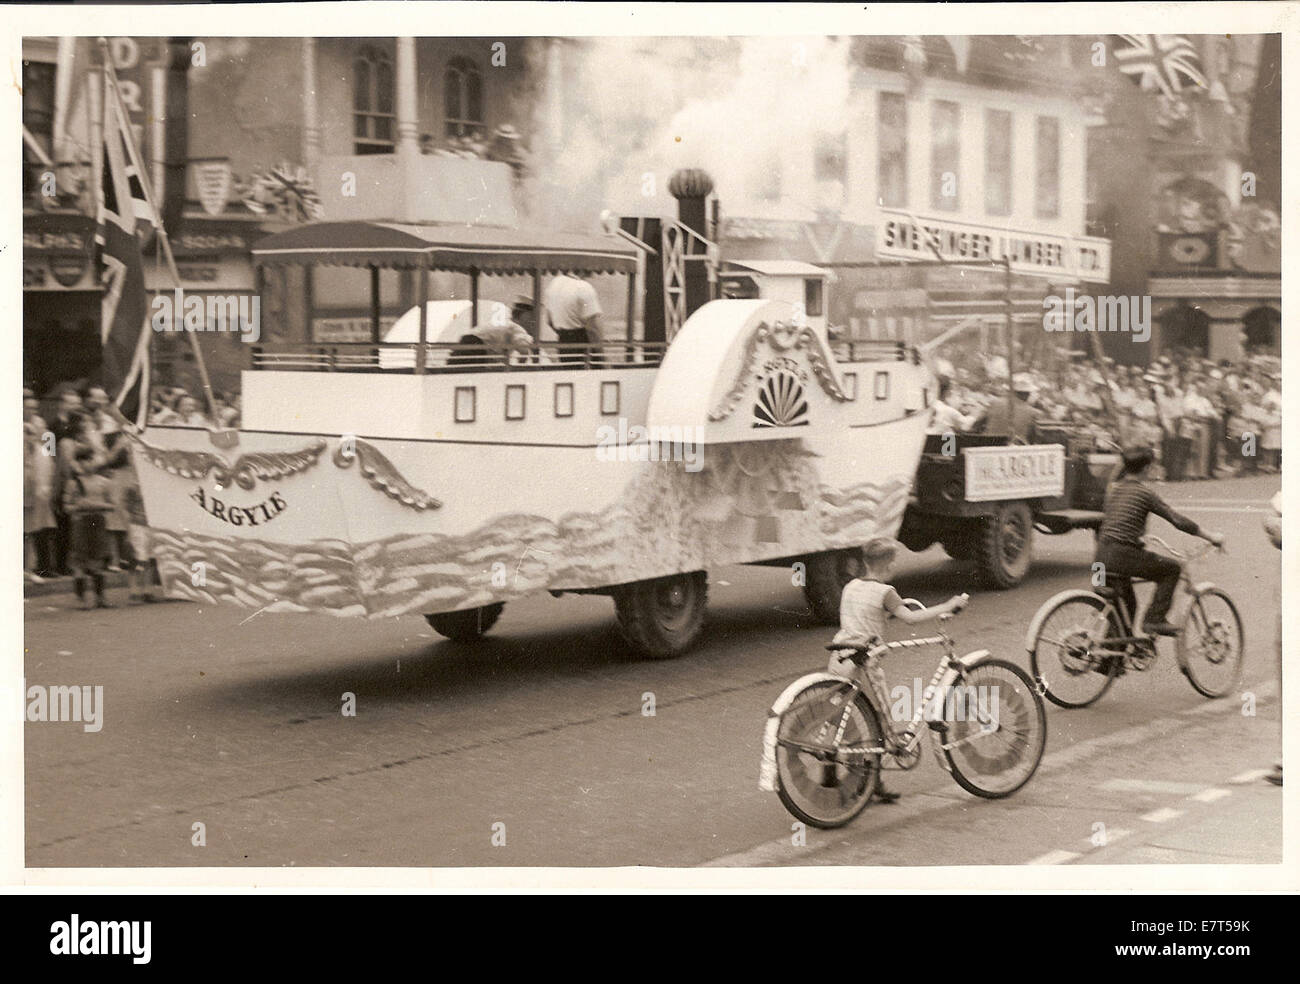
<point>382,478</point>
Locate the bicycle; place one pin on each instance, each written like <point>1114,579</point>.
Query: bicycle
<point>1080,641</point>
<point>826,742</point>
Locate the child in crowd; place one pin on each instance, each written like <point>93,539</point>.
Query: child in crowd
<point>88,499</point>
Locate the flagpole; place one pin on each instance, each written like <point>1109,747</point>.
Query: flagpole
<point>163,242</point>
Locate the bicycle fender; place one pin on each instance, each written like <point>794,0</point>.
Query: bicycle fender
<point>1049,605</point>
<point>767,767</point>
<point>1201,587</point>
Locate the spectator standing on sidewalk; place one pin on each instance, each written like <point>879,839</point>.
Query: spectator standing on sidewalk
<point>38,488</point>
<point>87,498</point>
<point>61,426</point>
<point>113,446</point>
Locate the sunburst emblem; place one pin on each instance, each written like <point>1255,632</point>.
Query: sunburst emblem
<point>781,401</point>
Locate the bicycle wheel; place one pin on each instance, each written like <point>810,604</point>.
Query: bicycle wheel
<point>822,783</point>
<point>996,729</point>
<point>1210,644</point>
<point>1064,657</point>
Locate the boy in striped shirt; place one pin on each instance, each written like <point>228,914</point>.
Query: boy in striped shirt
<point>1119,540</point>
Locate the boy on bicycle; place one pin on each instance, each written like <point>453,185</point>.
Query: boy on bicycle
<point>864,605</point>
<point>1119,540</point>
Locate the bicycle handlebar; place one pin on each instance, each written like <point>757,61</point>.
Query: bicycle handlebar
<point>1190,554</point>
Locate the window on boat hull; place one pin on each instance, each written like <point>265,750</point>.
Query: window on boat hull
<point>564,399</point>
<point>609,398</point>
<point>466,404</point>
<point>515,402</point>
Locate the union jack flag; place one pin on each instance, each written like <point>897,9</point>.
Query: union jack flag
<point>1160,61</point>
<point>124,218</point>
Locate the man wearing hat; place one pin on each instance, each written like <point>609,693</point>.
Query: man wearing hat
<point>1018,422</point>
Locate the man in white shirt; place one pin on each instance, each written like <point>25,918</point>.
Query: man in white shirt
<point>947,417</point>
<point>573,311</point>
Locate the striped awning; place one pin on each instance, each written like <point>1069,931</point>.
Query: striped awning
<point>434,247</point>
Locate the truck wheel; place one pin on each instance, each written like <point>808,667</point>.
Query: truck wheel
<point>1005,547</point>
<point>468,625</point>
<point>825,576</point>
<point>662,617</point>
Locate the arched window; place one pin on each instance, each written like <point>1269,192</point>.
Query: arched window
<point>462,95</point>
<point>372,102</point>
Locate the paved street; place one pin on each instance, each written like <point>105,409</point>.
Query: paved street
<point>214,716</point>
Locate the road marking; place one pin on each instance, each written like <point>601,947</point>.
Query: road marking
<point>1244,778</point>
<point>1187,507</point>
<point>1150,786</point>
<point>1211,794</point>
<point>1054,857</point>
<point>1111,836</point>
<point>1161,815</point>
<point>1228,499</point>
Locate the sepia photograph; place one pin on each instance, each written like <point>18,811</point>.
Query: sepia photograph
<point>628,446</point>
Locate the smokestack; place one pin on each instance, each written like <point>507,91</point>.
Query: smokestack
<point>691,188</point>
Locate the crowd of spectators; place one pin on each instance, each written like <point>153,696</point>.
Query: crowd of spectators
<point>173,405</point>
<point>82,510</point>
<point>1204,418</point>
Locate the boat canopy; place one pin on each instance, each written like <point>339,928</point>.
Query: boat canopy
<point>468,249</point>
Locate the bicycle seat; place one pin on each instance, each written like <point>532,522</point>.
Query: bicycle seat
<point>857,654</point>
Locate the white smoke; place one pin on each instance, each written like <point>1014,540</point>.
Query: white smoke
<point>634,107</point>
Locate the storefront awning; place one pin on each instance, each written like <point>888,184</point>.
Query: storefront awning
<point>457,248</point>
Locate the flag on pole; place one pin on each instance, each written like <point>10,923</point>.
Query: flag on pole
<point>1160,61</point>
<point>124,219</point>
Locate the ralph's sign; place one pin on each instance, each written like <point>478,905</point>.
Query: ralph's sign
<point>902,236</point>
<point>1015,472</point>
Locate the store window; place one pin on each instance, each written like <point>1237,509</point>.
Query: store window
<point>891,141</point>
<point>38,121</point>
<point>997,162</point>
<point>1047,163</point>
<point>374,121</point>
<point>462,93</point>
<point>945,155</point>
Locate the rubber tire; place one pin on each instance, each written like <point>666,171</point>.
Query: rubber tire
<point>1180,644</point>
<point>994,570</point>
<point>637,606</point>
<point>825,575</point>
<point>468,625</point>
<point>873,718</point>
<point>1037,674</point>
<point>1032,687</point>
